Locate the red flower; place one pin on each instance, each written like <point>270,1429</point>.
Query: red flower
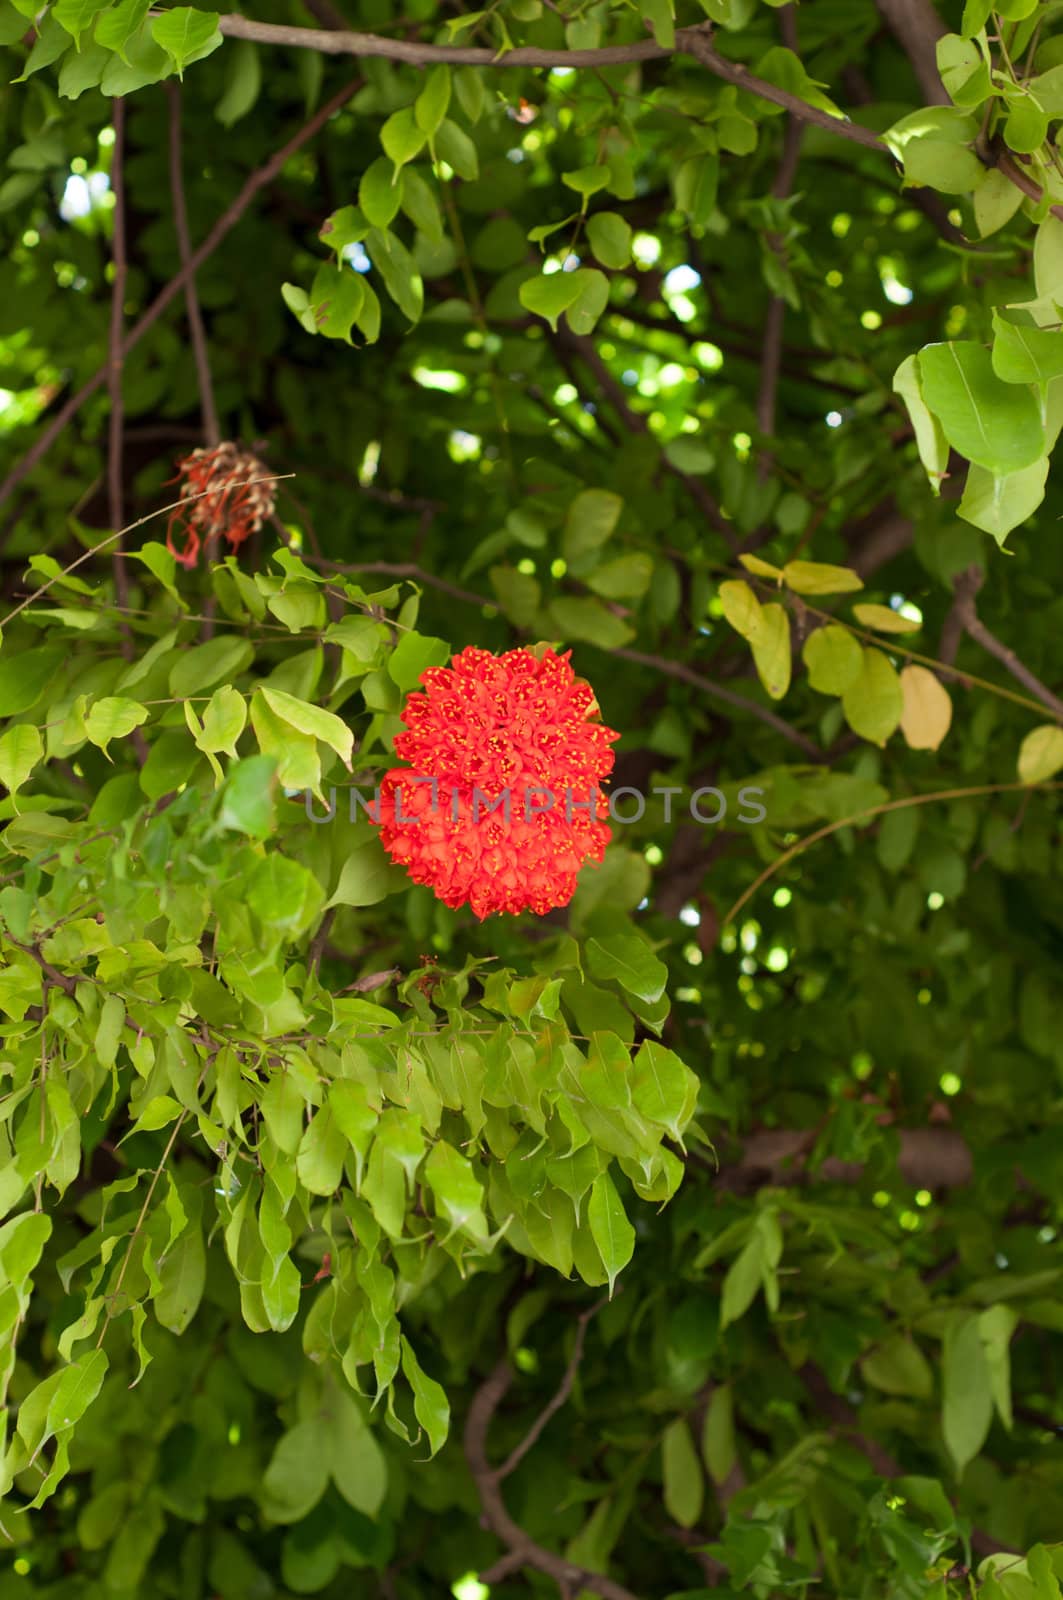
<point>516,731</point>
<point>218,500</point>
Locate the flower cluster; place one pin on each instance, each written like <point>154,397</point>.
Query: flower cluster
<point>218,500</point>
<point>482,729</point>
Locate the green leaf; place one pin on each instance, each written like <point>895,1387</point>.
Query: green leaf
<point>874,701</point>
<point>76,16</point>
<point>297,1475</point>
<point>629,961</point>
<point>996,1325</point>
<point>590,521</point>
<point>412,657</point>
<point>577,618</point>
<point>335,303</point>
<point>243,82</point>
<point>367,877</point>
<point>186,34</point>
<point>1041,754</point>
<point>940,164</point>
<point>695,186</point>
<point>996,201</point>
<point>402,138</point>
<point>963,70</point>
<point>454,146</point>
<point>683,1483</point>
<point>430,1404</point>
<point>311,720</point>
<point>1000,502</point>
<point>898,1366</point>
<point>548,296</point>
<point>718,1446</point>
<point>610,239</point>
<point>592,299</point>
<point>586,180</point>
<point>996,424</point>
<point>431,104</point>
<point>742,1280</point>
<point>401,278</point>
<point>833,657</point>
<point>1026,127</point>
<point>113,717</point>
<point>610,1229</point>
<point>1026,354</point>
<point>247,804</point>
<point>967,1406</point>
<point>21,747</point>
<point>380,192</point>
<point>741,607</point>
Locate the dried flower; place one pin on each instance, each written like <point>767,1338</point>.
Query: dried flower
<point>513,807</point>
<point>227,505</point>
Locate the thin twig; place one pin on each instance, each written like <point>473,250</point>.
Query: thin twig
<point>965,586</point>
<point>517,1454</point>
<point>225,223</point>
<point>115,357</point>
<point>211,432</point>
<point>716,691</point>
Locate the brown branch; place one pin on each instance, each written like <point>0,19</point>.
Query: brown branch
<point>635,422</point>
<point>228,220</point>
<point>688,41</point>
<point>844,1420</point>
<point>211,432</point>
<point>521,1549</point>
<point>771,345</point>
<point>965,586</point>
<point>676,669</point>
<point>929,1158</point>
<point>517,1454</point>
<point>401,569</point>
<point>1016,173</point>
<point>115,356</point>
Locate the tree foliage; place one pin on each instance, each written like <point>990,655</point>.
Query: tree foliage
<point>700,1236</point>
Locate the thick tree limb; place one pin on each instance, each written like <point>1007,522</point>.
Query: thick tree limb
<point>225,223</point>
<point>930,1158</point>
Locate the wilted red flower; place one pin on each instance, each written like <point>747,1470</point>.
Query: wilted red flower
<point>515,732</point>
<point>228,505</point>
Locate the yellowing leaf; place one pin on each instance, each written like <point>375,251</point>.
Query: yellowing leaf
<point>741,607</point>
<point>819,577</point>
<point>927,713</point>
<point>885,620</point>
<point>1041,754</point>
<point>759,568</point>
<point>874,701</point>
<point>771,650</point>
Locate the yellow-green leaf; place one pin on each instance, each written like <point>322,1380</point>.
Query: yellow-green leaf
<point>819,577</point>
<point>833,658</point>
<point>741,607</point>
<point>1041,754</point>
<point>884,619</point>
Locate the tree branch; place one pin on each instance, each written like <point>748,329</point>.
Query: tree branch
<point>516,1456</point>
<point>688,41</point>
<point>965,586</point>
<point>635,422</point>
<point>211,432</point>
<point>521,1550</point>
<point>716,691</point>
<point>917,28</point>
<point>225,223</point>
<point>115,357</point>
